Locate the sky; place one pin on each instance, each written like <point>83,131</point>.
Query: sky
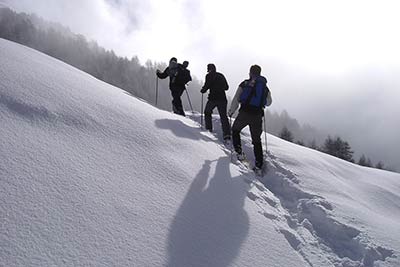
<point>332,64</point>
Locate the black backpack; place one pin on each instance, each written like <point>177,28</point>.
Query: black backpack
<point>180,75</point>
<point>173,71</point>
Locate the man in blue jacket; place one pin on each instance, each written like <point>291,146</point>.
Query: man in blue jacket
<point>253,95</point>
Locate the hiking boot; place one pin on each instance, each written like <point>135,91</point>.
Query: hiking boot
<point>258,165</point>
<point>240,156</point>
<point>227,140</point>
<point>258,171</point>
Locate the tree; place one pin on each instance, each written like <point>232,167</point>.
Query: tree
<point>329,146</point>
<point>286,134</point>
<point>313,144</point>
<point>345,151</point>
<point>380,165</point>
<point>362,161</point>
<point>300,142</point>
<point>338,148</point>
<point>368,163</point>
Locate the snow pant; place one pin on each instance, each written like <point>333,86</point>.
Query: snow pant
<point>221,105</point>
<point>254,121</point>
<point>176,93</point>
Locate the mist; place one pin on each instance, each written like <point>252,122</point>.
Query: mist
<point>332,65</point>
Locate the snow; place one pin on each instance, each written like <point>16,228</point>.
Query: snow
<point>90,176</point>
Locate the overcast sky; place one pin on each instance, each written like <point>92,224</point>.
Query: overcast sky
<point>326,61</point>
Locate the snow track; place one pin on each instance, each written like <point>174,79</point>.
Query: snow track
<point>306,219</point>
<point>307,223</point>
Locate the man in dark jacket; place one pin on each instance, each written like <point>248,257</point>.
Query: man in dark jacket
<point>253,95</point>
<point>178,77</point>
<point>217,84</point>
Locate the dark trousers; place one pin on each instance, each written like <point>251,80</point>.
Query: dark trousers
<point>221,106</point>
<point>254,121</point>
<point>176,93</point>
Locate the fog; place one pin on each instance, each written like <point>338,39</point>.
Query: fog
<point>332,65</point>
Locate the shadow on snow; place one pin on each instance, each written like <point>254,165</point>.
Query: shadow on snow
<point>211,224</point>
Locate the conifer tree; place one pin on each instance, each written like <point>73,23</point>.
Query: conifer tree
<point>286,134</point>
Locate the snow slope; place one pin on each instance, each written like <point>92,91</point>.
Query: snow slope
<point>90,176</point>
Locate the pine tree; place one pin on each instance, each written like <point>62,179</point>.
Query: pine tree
<point>362,161</point>
<point>300,142</point>
<point>286,134</point>
<point>329,146</point>
<point>345,151</point>
<point>368,163</point>
<point>313,144</point>
<point>338,148</point>
<point>380,165</point>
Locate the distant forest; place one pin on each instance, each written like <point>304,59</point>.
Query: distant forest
<point>59,42</point>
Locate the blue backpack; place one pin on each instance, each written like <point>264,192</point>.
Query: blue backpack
<point>254,94</point>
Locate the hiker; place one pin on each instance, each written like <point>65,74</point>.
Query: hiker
<point>186,71</point>
<point>178,77</point>
<point>253,95</point>
<point>217,84</point>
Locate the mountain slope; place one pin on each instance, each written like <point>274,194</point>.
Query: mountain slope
<point>92,176</point>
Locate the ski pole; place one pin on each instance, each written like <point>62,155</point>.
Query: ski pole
<point>190,102</point>
<point>230,126</point>
<point>201,116</point>
<point>156,89</point>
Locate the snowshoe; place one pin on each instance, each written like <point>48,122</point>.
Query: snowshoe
<point>240,156</point>
<point>258,171</point>
<point>227,142</point>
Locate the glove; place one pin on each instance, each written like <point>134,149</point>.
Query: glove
<point>158,71</point>
<point>203,90</point>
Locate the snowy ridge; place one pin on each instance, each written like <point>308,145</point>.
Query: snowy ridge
<point>90,176</point>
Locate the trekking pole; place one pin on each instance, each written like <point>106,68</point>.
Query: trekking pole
<point>156,89</point>
<point>190,102</point>
<point>230,126</point>
<point>265,135</point>
<point>201,116</point>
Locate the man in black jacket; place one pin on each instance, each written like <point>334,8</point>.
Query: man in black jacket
<point>178,77</point>
<point>217,84</point>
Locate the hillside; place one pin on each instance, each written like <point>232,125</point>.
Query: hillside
<point>91,176</point>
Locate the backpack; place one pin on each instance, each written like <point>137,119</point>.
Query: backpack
<point>173,71</point>
<point>254,94</point>
<point>179,75</point>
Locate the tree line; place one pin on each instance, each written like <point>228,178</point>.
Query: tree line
<point>335,146</point>
<point>59,42</point>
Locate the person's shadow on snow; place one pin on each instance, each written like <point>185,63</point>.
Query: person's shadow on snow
<point>180,129</point>
<point>211,224</point>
